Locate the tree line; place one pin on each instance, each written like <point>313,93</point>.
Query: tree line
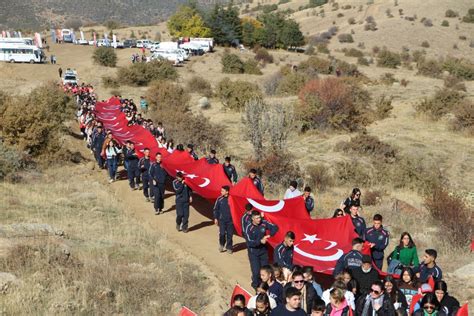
<point>223,23</point>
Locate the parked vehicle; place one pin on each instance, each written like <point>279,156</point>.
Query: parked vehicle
<point>21,53</point>
<point>129,43</point>
<point>67,35</point>
<point>143,43</point>
<point>171,56</point>
<point>103,42</point>
<point>70,76</point>
<point>82,42</point>
<point>18,40</point>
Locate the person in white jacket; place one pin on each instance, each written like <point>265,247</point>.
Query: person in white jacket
<point>262,288</point>
<point>292,191</point>
<point>339,284</point>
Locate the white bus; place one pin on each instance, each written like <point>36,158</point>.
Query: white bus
<point>21,53</point>
<point>17,40</point>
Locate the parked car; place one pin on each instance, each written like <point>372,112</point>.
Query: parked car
<point>82,42</point>
<point>143,43</point>
<point>70,76</point>
<point>129,43</point>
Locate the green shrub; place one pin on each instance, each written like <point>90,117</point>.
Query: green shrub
<point>451,14</point>
<point>452,82</point>
<point>200,85</point>
<point>316,3</point>
<point>383,107</point>
<point>369,146</point>
<point>141,74</point>
<point>430,68</point>
<point>12,162</point>
<point>445,23</point>
<point>234,94</point>
<point>353,52</point>
<point>315,65</point>
<point>464,116</point>
<point>363,61</point>
<point>232,64</point>
<point>425,44</point>
<point>36,130</point>
<point>251,67</point>
<point>105,56</point>
<point>351,21</point>
<point>441,103</point>
<point>353,171</point>
<point>469,17</point>
<point>345,38</point>
<point>262,55</point>
<point>271,84</point>
<point>347,69</point>
<point>167,95</point>
<point>388,59</point>
<point>110,82</point>
<point>292,83</point>
<point>460,68</point>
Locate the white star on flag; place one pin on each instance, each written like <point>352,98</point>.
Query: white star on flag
<point>310,238</point>
<point>191,176</point>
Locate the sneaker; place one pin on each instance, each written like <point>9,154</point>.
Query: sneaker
<point>157,212</point>
<point>137,187</point>
<point>221,249</point>
<point>111,180</point>
<point>160,211</point>
<point>185,230</point>
<point>178,227</point>
<point>147,199</point>
<point>230,251</point>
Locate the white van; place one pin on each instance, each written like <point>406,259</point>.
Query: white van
<point>174,57</point>
<point>143,43</point>
<point>21,53</point>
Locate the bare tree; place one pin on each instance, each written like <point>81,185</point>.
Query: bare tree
<point>279,120</point>
<point>254,119</point>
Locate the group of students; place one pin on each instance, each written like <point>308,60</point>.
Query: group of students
<point>282,288</point>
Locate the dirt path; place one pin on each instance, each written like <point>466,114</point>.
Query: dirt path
<point>202,239</point>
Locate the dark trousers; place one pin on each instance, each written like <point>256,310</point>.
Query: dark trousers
<point>112,167</point>
<point>182,214</point>
<point>159,193</point>
<point>99,158</point>
<point>147,191</point>
<point>226,230</point>
<point>133,174</point>
<point>257,259</point>
<point>378,263</point>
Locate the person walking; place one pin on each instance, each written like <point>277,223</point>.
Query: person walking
<point>133,172</point>
<point>144,164</point>
<point>111,154</point>
<point>183,199</point>
<point>158,176</point>
<point>378,238</point>
<point>256,237</point>
<point>60,72</point>
<point>223,219</point>
<point>229,170</point>
<point>256,180</point>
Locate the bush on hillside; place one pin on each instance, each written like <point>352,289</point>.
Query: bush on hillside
<point>429,68</point>
<point>141,74</point>
<point>440,104</point>
<point>452,214</point>
<point>388,59</point>
<point>234,94</point>
<point>383,107</point>
<point>445,23</point>
<point>387,79</point>
<point>464,117</point>
<point>262,55</point>
<point>460,68</point>
<point>333,103</point>
<point>110,82</point>
<point>232,64</point>
<point>452,82</point>
<point>200,85</point>
<point>353,52</point>
<point>270,85</point>
<point>370,146</point>
<point>346,69</point>
<point>427,22</point>
<point>418,55</point>
<point>469,17</point>
<point>169,103</point>
<point>352,171</point>
<point>372,197</point>
<point>292,83</point>
<point>345,38</point>
<point>105,56</point>
<point>320,177</point>
<point>168,96</point>
<point>12,162</point>
<point>315,65</point>
<point>351,21</point>
<point>425,44</point>
<point>251,67</point>
<point>451,14</point>
<point>363,61</point>
<point>37,130</point>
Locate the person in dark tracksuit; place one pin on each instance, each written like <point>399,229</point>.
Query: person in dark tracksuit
<point>246,218</point>
<point>97,143</point>
<point>133,172</point>
<point>158,177</point>
<point>350,260</point>
<point>256,180</point>
<point>144,164</point>
<point>283,253</point>
<point>378,238</point>
<point>256,237</point>
<point>229,170</point>
<point>308,200</point>
<point>183,199</point>
<point>223,218</point>
<point>358,222</point>
<point>212,159</point>
<point>190,149</point>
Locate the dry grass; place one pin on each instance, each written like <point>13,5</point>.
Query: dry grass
<point>105,263</point>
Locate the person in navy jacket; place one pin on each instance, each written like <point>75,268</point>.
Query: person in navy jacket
<point>223,219</point>
<point>378,238</point>
<point>183,199</point>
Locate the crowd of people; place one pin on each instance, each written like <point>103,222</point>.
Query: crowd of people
<point>408,287</point>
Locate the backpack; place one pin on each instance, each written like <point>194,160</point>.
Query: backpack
<point>394,264</point>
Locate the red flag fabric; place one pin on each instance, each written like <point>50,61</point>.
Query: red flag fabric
<point>415,299</point>
<point>431,282</point>
<point>186,312</point>
<point>463,311</point>
<point>472,245</point>
<point>246,188</point>
<point>240,290</point>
